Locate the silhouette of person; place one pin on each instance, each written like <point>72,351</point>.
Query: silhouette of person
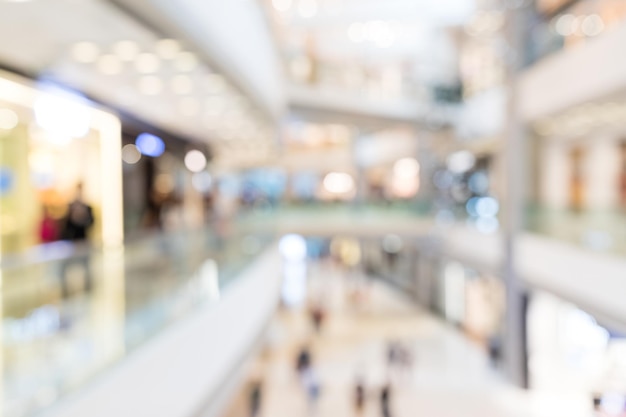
<point>79,218</point>
<point>78,221</point>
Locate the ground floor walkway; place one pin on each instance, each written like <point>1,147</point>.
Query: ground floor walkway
<point>450,376</point>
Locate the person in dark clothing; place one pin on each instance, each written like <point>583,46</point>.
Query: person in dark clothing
<point>255,399</point>
<point>385,399</point>
<point>303,362</point>
<point>359,397</point>
<point>78,221</point>
<point>79,218</point>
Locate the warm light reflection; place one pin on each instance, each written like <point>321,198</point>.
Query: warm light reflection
<point>338,183</point>
<point>147,63</point>
<point>85,52</point>
<point>168,48</point>
<point>8,119</point>
<point>126,51</point>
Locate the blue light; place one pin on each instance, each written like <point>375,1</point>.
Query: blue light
<point>150,145</point>
<point>6,180</point>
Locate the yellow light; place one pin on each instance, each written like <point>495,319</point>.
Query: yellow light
<point>150,85</point>
<point>110,129</point>
<point>147,63</point>
<point>186,62</point>
<point>85,52</point>
<point>109,64</point>
<point>189,106</point>
<point>338,183</point>
<point>406,168</point>
<point>126,50</point>
<point>181,84</point>
<point>168,48</point>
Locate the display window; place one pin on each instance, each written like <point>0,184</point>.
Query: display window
<point>55,147</point>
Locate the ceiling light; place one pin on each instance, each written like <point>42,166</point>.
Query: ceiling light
<point>181,84</point>
<point>131,154</point>
<point>406,168</point>
<point>460,162</point>
<point>307,8</point>
<point>186,62</point>
<point>214,105</point>
<point>168,48</point>
<point>195,161</point>
<point>126,50</point>
<point>147,63</point>
<point>593,25</point>
<point>8,119</point>
<point>109,64</point>
<point>566,25</point>
<point>62,116</point>
<point>282,5</point>
<point>150,85</point>
<point>150,145</point>
<point>338,183</point>
<point>189,106</point>
<point>85,52</point>
<point>214,83</point>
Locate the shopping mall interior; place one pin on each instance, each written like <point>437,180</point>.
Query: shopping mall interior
<point>265,208</point>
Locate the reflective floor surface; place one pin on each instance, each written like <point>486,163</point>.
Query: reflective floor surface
<point>451,376</point>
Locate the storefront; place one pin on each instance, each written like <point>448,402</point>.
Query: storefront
<point>471,299</point>
<point>572,356</point>
<point>53,143</point>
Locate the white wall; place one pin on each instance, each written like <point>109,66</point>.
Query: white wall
<point>555,175</point>
<point>593,281</point>
<point>590,71</point>
<point>233,33</point>
<point>602,169</point>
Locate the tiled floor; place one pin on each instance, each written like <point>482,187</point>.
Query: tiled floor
<point>451,377</point>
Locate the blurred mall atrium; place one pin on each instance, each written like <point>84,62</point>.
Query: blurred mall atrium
<point>233,208</point>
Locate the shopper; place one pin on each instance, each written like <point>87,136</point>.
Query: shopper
<point>48,228</point>
<point>385,400</point>
<point>303,361</point>
<point>359,397</point>
<point>77,223</point>
<point>312,388</point>
<point>79,218</point>
<point>318,315</point>
<point>255,398</point>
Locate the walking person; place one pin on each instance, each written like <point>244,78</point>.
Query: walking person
<point>318,315</point>
<point>78,222</point>
<point>303,361</point>
<point>255,398</point>
<point>312,388</point>
<point>385,400</point>
<point>359,397</point>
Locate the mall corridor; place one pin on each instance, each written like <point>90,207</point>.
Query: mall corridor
<point>450,375</point>
<point>176,177</point>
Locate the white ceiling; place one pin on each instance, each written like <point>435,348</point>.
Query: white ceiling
<point>39,38</point>
<point>413,31</point>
